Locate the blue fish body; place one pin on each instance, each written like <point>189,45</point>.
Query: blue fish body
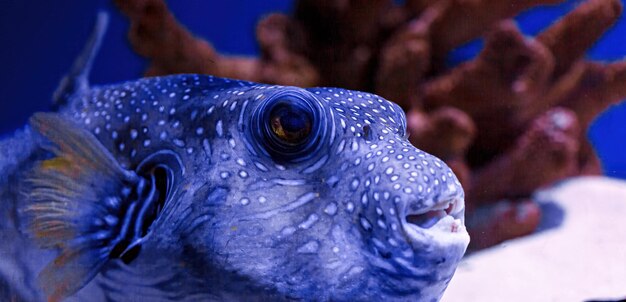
<point>193,187</point>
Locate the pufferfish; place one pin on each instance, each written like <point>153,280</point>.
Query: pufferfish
<point>199,188</point>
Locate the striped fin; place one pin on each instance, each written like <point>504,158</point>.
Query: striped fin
<point>76,202</point>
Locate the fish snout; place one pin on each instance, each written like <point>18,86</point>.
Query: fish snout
<point>437,216</point>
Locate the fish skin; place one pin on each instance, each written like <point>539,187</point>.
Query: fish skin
<point>239,225</point>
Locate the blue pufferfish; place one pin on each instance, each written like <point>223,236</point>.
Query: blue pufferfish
<point>199,188</point>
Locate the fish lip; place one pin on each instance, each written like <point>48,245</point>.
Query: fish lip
<point>457,211</point>
<point>447,230</point>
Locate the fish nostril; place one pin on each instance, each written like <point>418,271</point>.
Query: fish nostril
<point>367,132</point>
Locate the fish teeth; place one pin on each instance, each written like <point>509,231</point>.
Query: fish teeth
<point>441,206</point>
<point>453,207</point>
<point>449,224</point>
<point>458,205</point>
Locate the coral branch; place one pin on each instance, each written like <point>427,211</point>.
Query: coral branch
<point>545,153</point>
<point>465,20</point>
<point>446,132</point>
<point>509,69</point>
<point>281,40</point>
<point>580,28</point>
<point>155,34</point>
<point>591,89</point>
<point>497,89</point>
<point>343,37</point>
<point>405,59</point>
<point>598,86</point>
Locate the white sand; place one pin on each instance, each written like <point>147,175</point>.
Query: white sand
<point>582,259</point>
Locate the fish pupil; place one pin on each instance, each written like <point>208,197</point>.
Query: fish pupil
<point>290,124</point>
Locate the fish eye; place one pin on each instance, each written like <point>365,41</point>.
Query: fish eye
<point>291,125</point>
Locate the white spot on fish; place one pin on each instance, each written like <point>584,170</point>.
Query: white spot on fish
<point>331,209</point>
<point>206,146</point>
<point>364,199</point>
<point>179,143</point>
<point>310,247</point>
<point>261,166</point>
<point>381,224</point>
<point>218,128</point>
<point>354,184</point>
<point>365,224</point>
<point>312,219</point>
<point>288,231</point>
<point>340,147</point>
<point>332,180</point>
<point>316,166</point>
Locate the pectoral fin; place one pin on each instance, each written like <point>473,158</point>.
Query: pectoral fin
<point>82,202</point>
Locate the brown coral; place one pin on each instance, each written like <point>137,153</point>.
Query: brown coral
<point>508,122</point>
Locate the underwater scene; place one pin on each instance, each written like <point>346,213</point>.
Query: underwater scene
<point>301,150</point>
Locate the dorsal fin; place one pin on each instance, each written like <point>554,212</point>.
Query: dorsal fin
<point>82,202</point>
<point>77,79</point>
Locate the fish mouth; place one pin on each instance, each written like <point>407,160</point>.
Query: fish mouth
<point>433,217</point>
<point>443,221</point>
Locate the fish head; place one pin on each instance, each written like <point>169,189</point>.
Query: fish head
<point>316,192</point>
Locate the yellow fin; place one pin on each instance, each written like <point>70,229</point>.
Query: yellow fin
<point>67,199</point>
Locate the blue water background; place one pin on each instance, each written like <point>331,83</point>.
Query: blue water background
<point>39,40</point>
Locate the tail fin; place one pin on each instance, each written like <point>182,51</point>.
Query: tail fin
<point>77,78</point>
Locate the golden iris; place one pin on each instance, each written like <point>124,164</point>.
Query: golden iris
<point>290,124</point>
